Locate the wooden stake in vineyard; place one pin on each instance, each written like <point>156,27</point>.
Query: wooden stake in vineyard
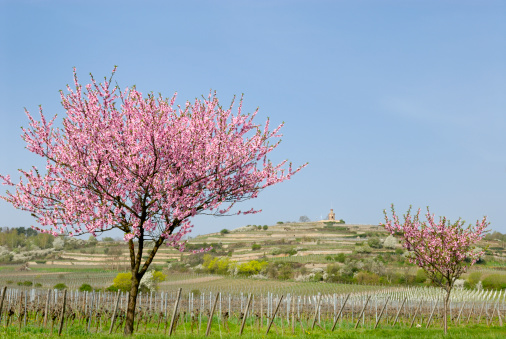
<point>46,308</point>
<point>362,312</point>
<point>62,316</point>
<point>2,302</point>
<point>273,315</point>
<point>381,313</point>
<point>245,314</point>
<point>208,331</point>
<point>340,312</point>
<point>113,318</point>
<point>174,313</point>
<point>399,311</point>
<point>316,311</point>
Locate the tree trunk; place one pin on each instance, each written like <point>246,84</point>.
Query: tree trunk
<point>138,272</point>
<point>132,301</point>
<point>445,316</point>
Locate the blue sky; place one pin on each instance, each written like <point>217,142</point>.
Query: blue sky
<point>389,101</point>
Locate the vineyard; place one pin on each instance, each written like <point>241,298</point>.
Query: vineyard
<point>202,312</point>
<point>42,296</point>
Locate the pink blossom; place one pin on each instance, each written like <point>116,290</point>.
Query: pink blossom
<point>140,164</point>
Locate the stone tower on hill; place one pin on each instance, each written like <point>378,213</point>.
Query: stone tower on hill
<point>332,215</point>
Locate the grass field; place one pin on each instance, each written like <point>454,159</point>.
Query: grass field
<point>475,331</point>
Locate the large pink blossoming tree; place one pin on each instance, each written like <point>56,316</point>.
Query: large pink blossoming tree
<point>143,166</point>
<point>444,250</point>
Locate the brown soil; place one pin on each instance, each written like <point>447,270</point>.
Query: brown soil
<point>191,281</point>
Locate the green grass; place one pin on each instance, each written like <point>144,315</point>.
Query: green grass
<point>6,268</point>
<point>477,331</point>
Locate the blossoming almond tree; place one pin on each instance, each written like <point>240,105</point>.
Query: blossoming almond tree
<point>444,250</point>
<point>142,166</point>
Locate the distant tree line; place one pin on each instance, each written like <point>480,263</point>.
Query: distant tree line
<point>495,236</point>
<point>24,237</point>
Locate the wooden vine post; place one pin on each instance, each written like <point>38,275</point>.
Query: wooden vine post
<point>362,312</point>
<point>113,319</point>
<point>20,310</point>
<point>460,312</point>
<point>316,312</point>
<point>273,315</point>
<point>208,330</point>
<point>62,312</point>
<point>245,314</point>
<point>381,313</point>
<point>340,312</point>
<point>416,312</point>
<point>399,311</point>
<point>2,301</point>
<point>46,309</point>
<point>431,314</point>
<point>174,312</point>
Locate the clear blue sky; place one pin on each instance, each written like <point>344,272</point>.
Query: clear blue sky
<point>389,101</point>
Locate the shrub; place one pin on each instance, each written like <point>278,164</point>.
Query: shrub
<point>374,243</point>
<point>224,231</point>
<point>112,288</point>
<point>341,257</point>
<point>265,227</point>
<point>27,283</point>
<point>251,267</point>
<point>481,261</point>
<point>255,247</point>
<point>123,281</point>
<point>285,272</point>
<point>58,243</point>
<point>291,251</point>
<point>280,223</point>
<point>217,265</point>
<point>151,279</point>
<point>317,277</point>
<point>421,276</point>
<point>363,249</point>
<point>85,288</point>
<point>367,278</point>
<point>92,241</point>
<point>275,251</point>
<point>38,285</point>
<point>390,242</point>
<point>495,282</point>
<point>60,286</point>
<point>473,278</point>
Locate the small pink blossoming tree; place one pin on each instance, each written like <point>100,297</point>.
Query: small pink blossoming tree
<point>142,166</point>
<point>444,250</point>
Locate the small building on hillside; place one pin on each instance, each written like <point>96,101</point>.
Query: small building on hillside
<point>330,217</point>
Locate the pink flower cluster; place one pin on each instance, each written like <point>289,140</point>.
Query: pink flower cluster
<point>444,249</point>
<point>142,165</point>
